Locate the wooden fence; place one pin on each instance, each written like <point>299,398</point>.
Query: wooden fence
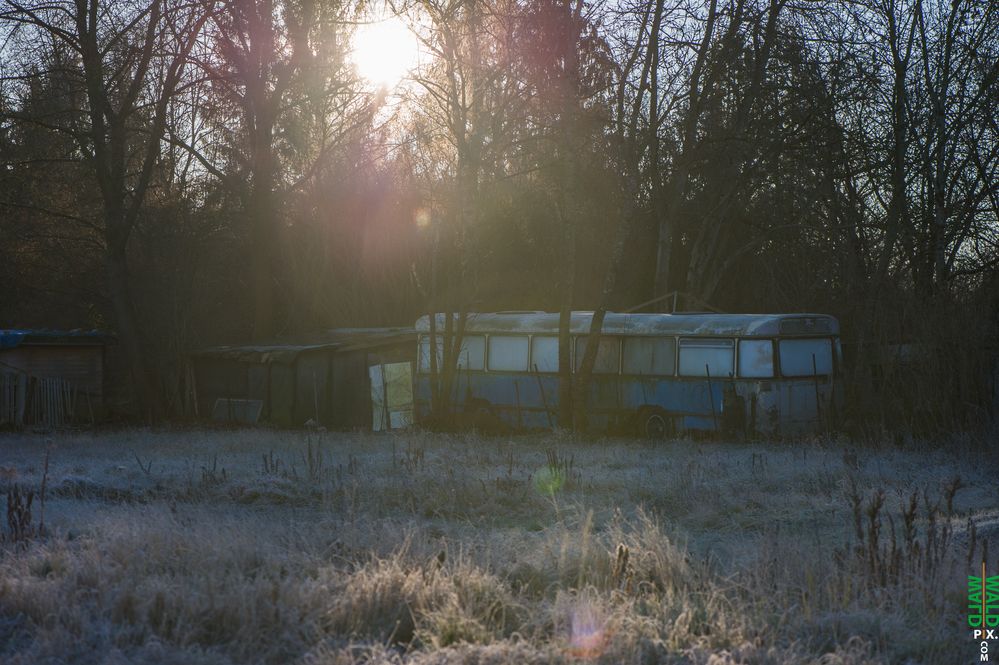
<point>41,401</point>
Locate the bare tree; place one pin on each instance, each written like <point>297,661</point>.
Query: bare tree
<point>278,73</point>
<point>127,61</point>
<point>468,96</point>
<point>958,155</point>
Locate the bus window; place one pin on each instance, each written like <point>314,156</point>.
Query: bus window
<point>716,354</point>
<point>796,357</point>
<point>508,353</point>
<point>473,353</point>
<point>607,355</point>
<point>471,356</point>
<point>544,353</point>
<point>649,355</point>
<point>425,354</point>
<point>756,358</point>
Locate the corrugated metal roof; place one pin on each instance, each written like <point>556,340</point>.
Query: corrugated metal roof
<point>336,339</point>
<point>643,324</point>
<point>365,338</point>
<point>263,353</point>
<point>12,338</point>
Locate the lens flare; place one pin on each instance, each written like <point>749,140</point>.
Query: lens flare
<point>385,51</point>
<point>548,481</point>
<point>590,636</point>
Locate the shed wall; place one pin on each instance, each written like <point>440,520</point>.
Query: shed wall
<point>52,384</point>
<point>218,378</point>
<point>312,388</point>
<point>80,365</point>
<point>328,386</point>
<point>351,403</point>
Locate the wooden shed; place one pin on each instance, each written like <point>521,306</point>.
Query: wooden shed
<point>334,381</point>
<point>51,377</point>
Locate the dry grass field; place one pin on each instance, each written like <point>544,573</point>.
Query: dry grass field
<point>256,546</point>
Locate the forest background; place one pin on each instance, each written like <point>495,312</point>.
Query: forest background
<point>195,172</point>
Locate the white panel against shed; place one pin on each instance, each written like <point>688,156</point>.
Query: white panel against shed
<point>395,385</point>
<point>378,406</point>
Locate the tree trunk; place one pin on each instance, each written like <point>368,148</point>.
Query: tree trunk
<point>584,374</point>
<point>898,206</point>
<point>262,209</point>
<point>565,417</point>
<point>116,269</point>
<point>262,239</point>
<point>681,165</point>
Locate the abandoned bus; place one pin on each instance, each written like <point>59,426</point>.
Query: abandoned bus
<point>655,374</point>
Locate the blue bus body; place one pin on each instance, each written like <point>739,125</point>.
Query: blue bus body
<point>769,374</point>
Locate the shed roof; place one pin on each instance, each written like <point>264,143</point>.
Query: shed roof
<point>260,353</point>
<point>747,325</point>
<point>351,339</point>
<point>12,338</point>
<point>336,339</point>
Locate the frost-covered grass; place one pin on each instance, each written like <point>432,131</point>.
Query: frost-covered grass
<point>194,546</point>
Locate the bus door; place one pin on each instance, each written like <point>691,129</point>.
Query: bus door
<point>807,367</point>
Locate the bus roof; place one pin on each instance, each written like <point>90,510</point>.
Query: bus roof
<point>740,325</point>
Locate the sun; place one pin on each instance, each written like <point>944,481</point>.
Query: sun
<point>385,51</point>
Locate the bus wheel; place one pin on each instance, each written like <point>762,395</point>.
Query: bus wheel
<point>655,424</point>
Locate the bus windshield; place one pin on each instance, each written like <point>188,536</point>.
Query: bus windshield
<point>796,357</point>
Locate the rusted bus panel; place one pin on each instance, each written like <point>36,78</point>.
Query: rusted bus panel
<point>761,405</point>
<point>807,404</point>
